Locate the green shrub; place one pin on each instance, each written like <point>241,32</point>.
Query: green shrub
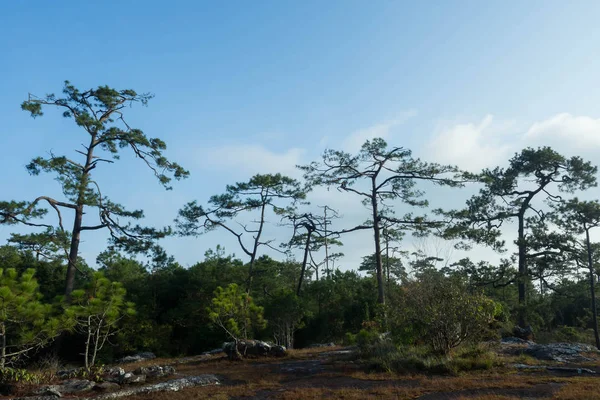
<point>414,359</point>
<point>93,373</point>
<point>96,312</point>
<point>444,314</point>
<point>366,338</point>
<point>350,339</point>
<point>566,334</point>
<point>26,323</point>
<point>14,375</point>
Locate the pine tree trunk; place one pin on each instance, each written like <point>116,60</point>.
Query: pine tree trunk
<point>376,235</point>
<point>74,252</point>
<point>592,288</point>
<point>256,243</point>
<point>77,223</point>
<point>522,259</point>
<point>87,343</point>
<point>3,355</point>
<point>304,261</point>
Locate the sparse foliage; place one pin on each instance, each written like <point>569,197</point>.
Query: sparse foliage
<point>262,194</point>
<point>379,176</point>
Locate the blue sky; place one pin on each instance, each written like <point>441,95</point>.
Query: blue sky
<point>247,87</point>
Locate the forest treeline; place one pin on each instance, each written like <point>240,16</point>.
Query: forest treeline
<point>139,298</point>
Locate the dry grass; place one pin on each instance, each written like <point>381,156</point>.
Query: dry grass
<point>579,389</point>
<point>386,392</point>
<point>310,352</point>
<point>489,397</point>
<point>213,392</point>
<point>388,387</point>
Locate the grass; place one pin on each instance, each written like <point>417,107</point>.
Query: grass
<point>580,389</point>
<point>387,358</point>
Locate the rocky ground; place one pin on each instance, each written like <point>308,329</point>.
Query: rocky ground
<point>531,371</point>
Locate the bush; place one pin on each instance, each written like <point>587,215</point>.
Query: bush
<point>14,375</point>
<point>97,312</point>
<point>350,339</point>
<point>444,314</point>
<point>366,338</point>
<point>566,334</point>
<point>26,323</point>
<point>419,359</point>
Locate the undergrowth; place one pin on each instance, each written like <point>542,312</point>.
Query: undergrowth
<point>386,357</point>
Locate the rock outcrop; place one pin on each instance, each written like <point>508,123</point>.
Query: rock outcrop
<point>137,357</point>
<point>558,352</point>
<point>172,385</point>
<point>75,387</point>
<point>253,348</point>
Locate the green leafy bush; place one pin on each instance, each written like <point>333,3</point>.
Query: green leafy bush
<point>350,339</point>
<point>14,375</point>
<point>444,314</point>
<point>26,323</point>
<point>234,311</point>
<point>97,312</point>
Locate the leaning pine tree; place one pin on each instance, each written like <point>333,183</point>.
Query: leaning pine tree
<point>100,114</point>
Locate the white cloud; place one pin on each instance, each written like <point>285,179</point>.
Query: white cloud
<point>354,142</point>
<point>579,132</point>
<point>471,146</point>
<point>251,159</point>
<point>488,143</point>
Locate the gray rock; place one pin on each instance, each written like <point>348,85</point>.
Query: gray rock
<point>578,371</point>
<point>561,352</point>
<point>36,398</point>
<point>115,371</point>
<point>212,352</point>
<point>247,348</point>
<point>114,375</point>
<point>253,348</point>
<point>137,357</point>
<point>173,385</point>
<point>340,352</point>
<point>515,340</point>
<point>155,371</point>
<point>525,333</point>
<point>107,387</point>
<point>67,387</point>
<point>67,373</point>
<point>318,345</point>
<point>76,386</point>
<point>278,351</point>
<point>525,366</point>
<point>129,378</point>
<point>51,391</point>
